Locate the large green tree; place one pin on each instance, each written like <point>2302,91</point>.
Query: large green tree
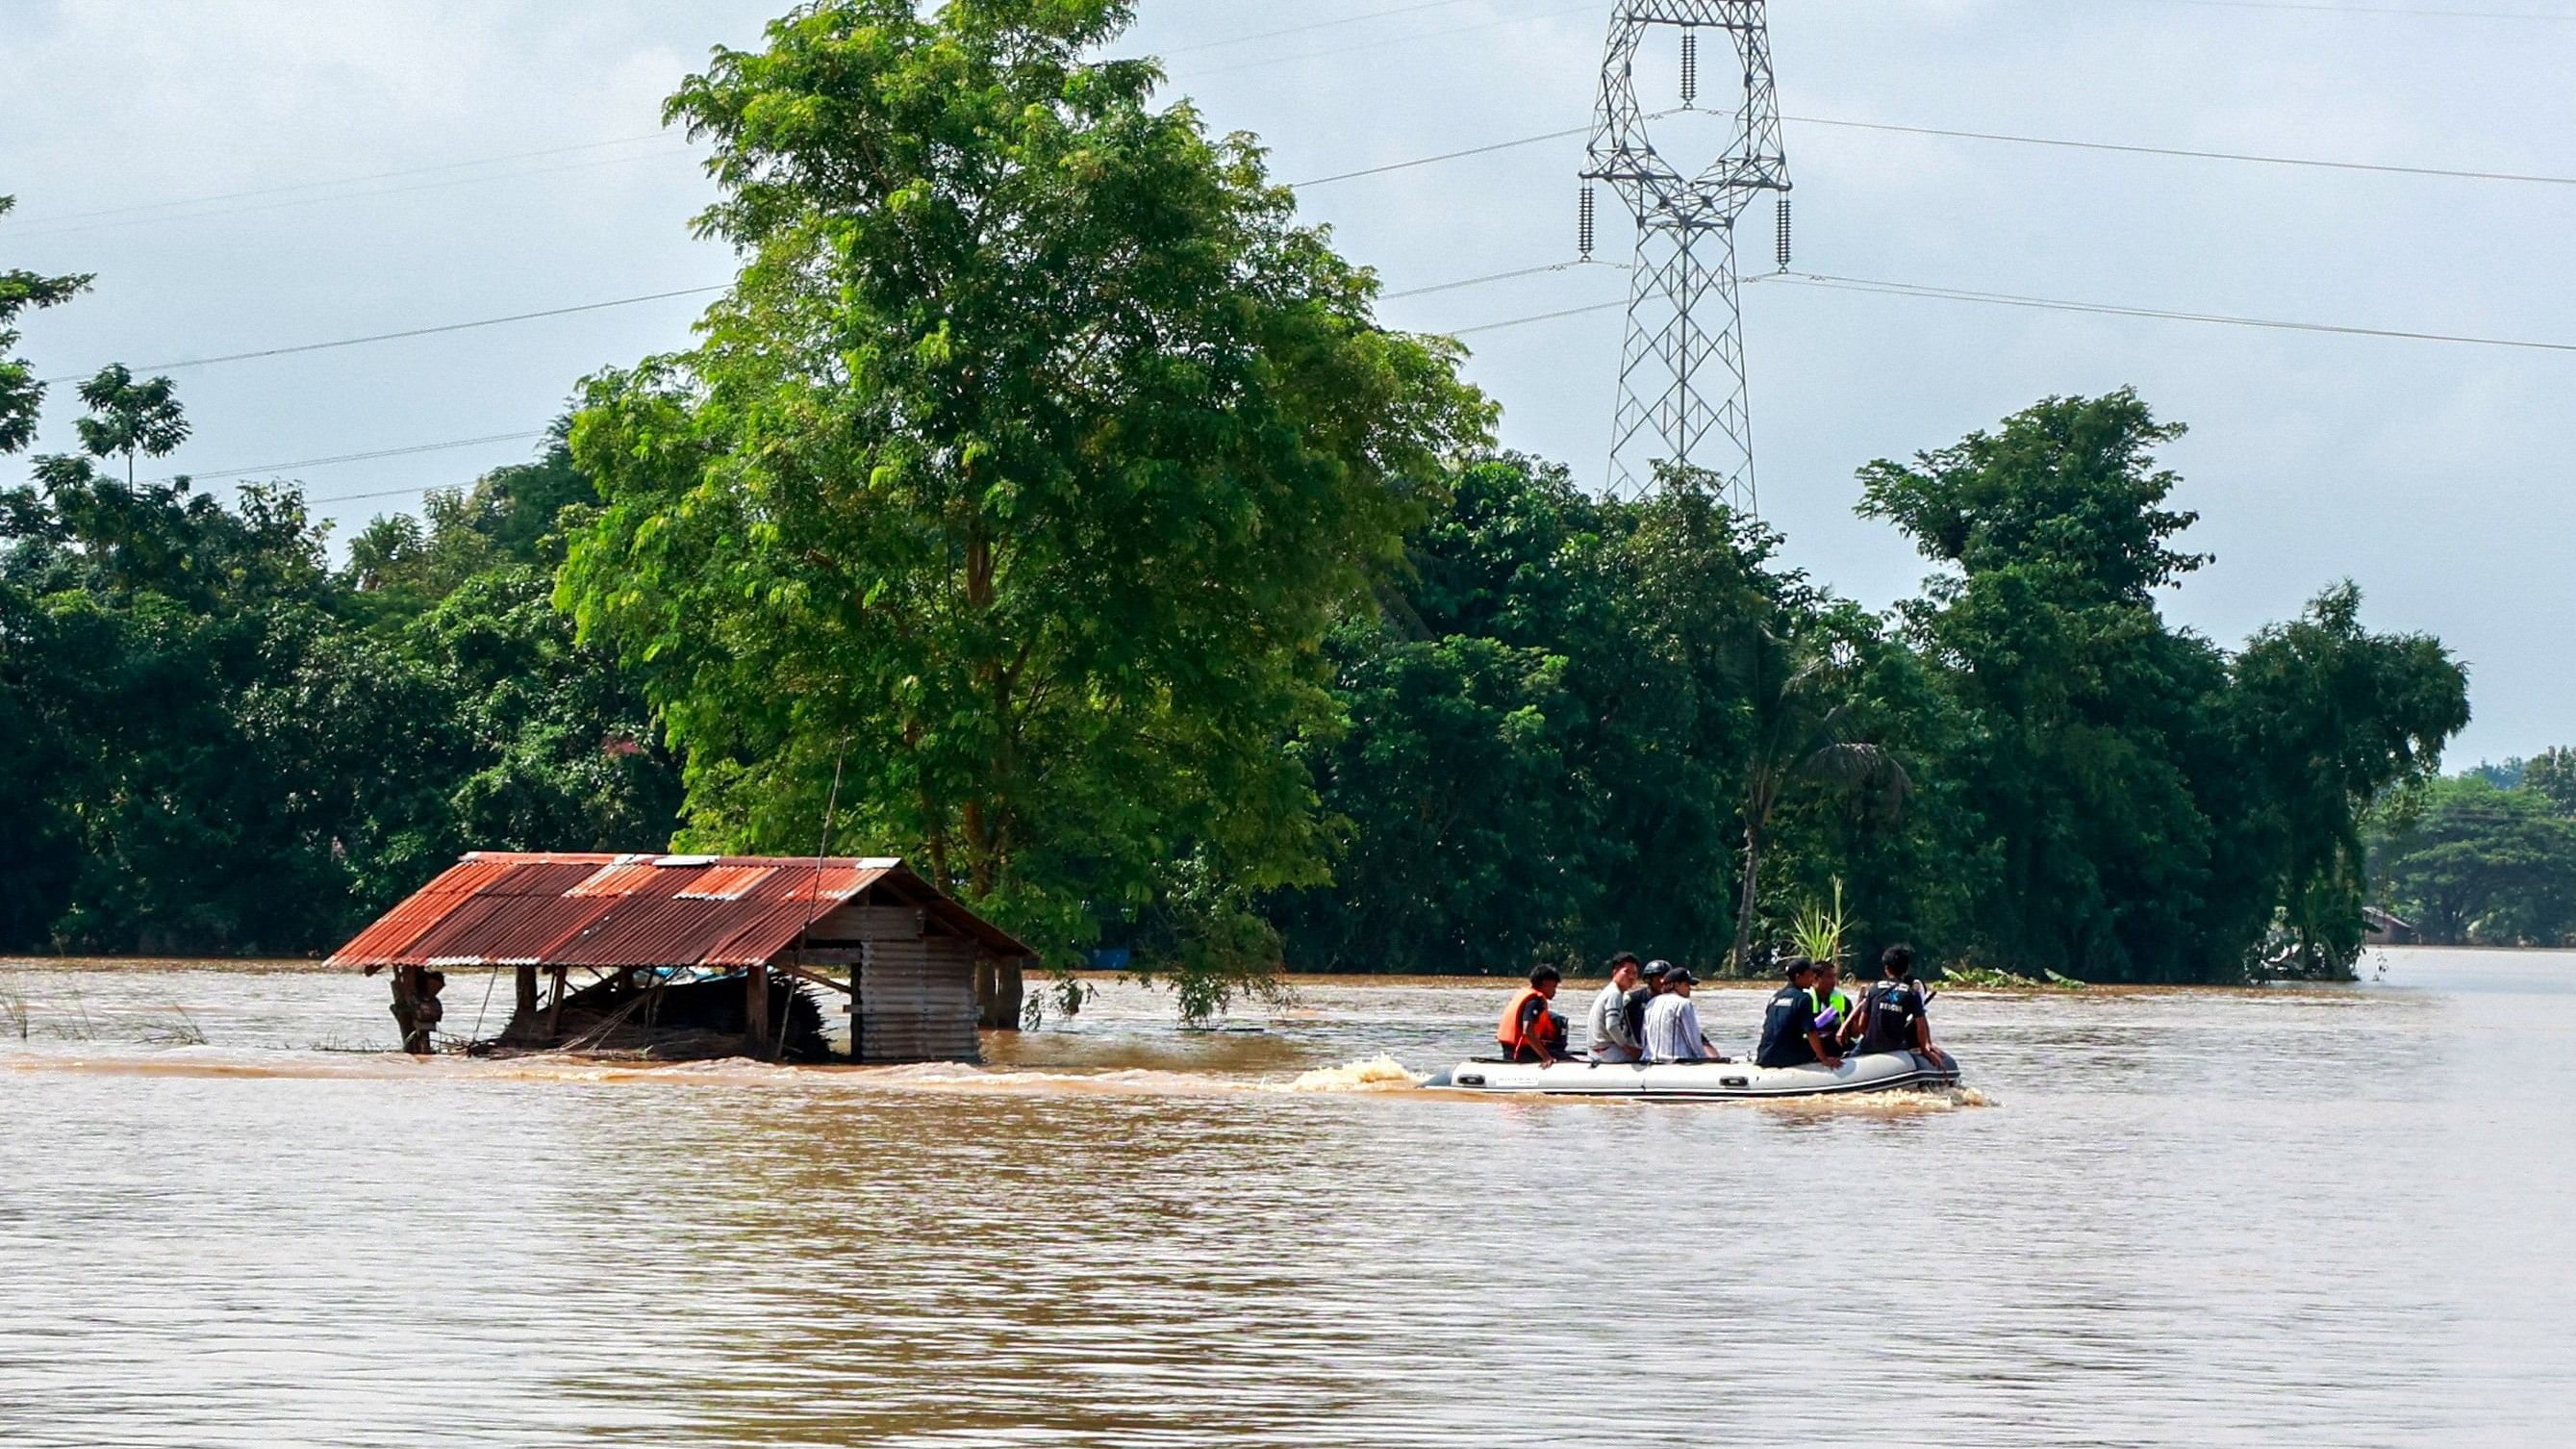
<point>2095,722</point>
<point>218,743</point>
<point>1561,712</point>
<point>1019,476</point>
<point>2160,810</point>
<point>22,393</point>
<point>2330,717</point>
<point>33,821</point>
<point>2468,863</point>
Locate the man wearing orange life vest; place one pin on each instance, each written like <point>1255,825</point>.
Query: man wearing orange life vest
<point>1529,1031</point>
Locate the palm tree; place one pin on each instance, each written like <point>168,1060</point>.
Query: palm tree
<point>1804,729</point>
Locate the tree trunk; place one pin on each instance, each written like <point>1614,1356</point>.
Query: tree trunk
<point>1741,961</point>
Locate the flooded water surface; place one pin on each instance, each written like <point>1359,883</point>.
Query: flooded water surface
<point>2332,1218</point>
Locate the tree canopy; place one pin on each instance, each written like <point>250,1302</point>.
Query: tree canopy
<point>222,744</point>
<point>1043,504</point>
<point>1019,477</point>
<point>2468,862</point>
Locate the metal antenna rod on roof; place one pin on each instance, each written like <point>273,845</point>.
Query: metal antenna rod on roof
<point>814,891</point>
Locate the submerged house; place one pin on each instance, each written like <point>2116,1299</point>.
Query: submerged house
<point>697,955</point>
<point>2383,928</point>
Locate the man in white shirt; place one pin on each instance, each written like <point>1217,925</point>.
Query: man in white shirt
<point>1672,1023</point>
<point>1611,1041</point>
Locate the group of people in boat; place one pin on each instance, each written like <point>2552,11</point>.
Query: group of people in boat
<point>1646,1014</point>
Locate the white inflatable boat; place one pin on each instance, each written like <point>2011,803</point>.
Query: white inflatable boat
<point>1703,1081</point>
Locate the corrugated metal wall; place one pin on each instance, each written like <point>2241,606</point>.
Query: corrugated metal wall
<point>917,1000</point>
<point>855,922</point>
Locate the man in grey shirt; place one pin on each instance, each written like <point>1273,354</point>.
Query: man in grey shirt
<point>1672,1024</point>
<point>1612,1041</point>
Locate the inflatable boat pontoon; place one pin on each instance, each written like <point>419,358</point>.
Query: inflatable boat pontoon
<point>1703,1081</point>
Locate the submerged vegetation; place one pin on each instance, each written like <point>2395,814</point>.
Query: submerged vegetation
<point>1044,481</point>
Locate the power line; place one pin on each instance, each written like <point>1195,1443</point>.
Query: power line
<point>359,195</point>
<point>1526,321</point>
<point>107,217</point>
<point>1413,39</point>
<point>2252,157</point>
<point>2412,11</point>
<point>455,443</point>
<point>407,332</point>
<point>1500,277</point>
<point>2109,309</point>
<point>44,225</point>
<point>1812,279</point>
<point>410,332</point>
<point>377,493</point>
<point>1827,121</point>
<point>2062,304</point>
<point>359,458</point>
<point>1443,156</point>
<point>343,181</point>
<point>1313,25</point>
<point>2255,157</point>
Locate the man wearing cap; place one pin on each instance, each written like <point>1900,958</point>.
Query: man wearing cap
<point>1613,1038</point>
<point>1650,985</point>
<point>1789,1036</point>
<point>1672,1023</point>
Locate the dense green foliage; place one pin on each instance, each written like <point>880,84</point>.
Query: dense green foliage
<point>1015,480</point>
<point>1047,500</point>
<point>2472,862</point>
<point>1577,725</point>
<point>219,743</point>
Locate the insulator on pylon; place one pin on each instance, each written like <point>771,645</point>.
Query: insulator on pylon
<point>1690,67</point>
<point>1583,224</point>
<point>1784,231</point>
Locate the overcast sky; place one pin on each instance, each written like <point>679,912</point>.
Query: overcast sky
<point>2434,474</point>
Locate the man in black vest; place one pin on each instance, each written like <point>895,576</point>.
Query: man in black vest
<point>1895,1014</point>
<point>1789,1036</point>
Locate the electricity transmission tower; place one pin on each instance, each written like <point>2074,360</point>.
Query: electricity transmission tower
<point>1681,372</point>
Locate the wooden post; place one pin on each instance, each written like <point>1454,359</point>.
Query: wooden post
<point>1011,998</point>
<point>406,1009</point>
<point>755,1005</point>
<point>1000,992</point>
<point>554,1011</point>
<point>526,1015</point>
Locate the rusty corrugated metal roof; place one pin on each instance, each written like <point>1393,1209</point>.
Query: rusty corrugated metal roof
<point>505,909</point>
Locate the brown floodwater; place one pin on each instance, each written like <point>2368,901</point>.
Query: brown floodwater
<point>2317,1217</point>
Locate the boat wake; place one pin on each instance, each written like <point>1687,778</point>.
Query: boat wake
<point>1912,1102</point>
<point>1377,1075</point>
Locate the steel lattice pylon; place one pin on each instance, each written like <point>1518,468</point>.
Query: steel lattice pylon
<point>1681,374</point>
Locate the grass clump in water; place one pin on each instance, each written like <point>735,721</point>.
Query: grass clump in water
<point>1992,978</point>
